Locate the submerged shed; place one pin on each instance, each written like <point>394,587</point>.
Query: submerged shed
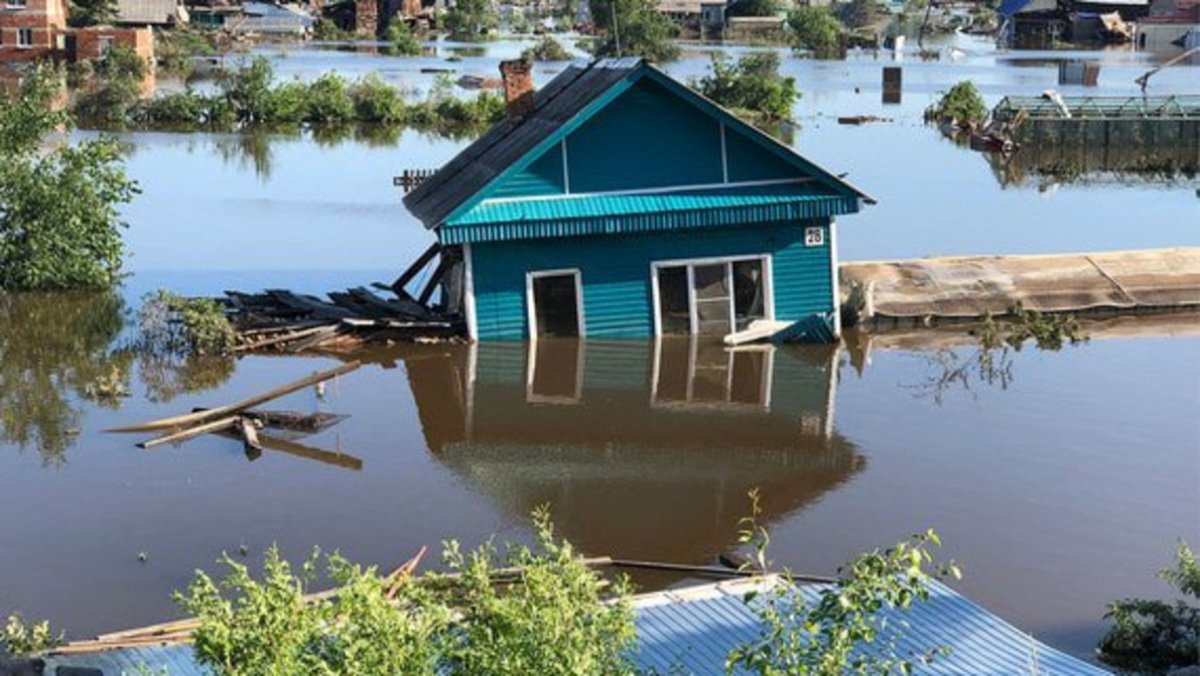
<point>618,203</point>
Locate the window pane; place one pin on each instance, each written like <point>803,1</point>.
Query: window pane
<point>711,281</point>
<point>673,300</point>
<point>749,300</point>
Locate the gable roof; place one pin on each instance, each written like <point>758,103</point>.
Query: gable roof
<point>561,106</point>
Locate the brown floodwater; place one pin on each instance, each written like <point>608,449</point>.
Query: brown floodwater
<point>1059,480</point>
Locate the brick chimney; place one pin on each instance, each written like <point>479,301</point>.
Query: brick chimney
<point>518,87</point>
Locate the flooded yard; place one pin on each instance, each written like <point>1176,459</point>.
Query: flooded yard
<point>1060,480</point>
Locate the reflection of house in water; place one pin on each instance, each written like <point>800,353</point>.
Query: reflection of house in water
<point>641,450</point>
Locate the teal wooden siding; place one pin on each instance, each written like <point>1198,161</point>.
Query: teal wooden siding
<point>748,161</point>
<point>617,293</point>
<point>646,138</point>
<point>543,177</point>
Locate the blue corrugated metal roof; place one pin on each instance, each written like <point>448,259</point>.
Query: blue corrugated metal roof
<point>692,631</point>
<point>1011,7</point>
<point>618,214</point>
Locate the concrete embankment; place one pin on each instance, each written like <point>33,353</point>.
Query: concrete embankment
<point>933,290</point>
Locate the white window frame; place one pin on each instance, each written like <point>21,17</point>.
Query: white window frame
<point>16,4</point>
<point>531,311</point>
<point>21,42</point>
<point>689,402</point>
<point>768,286</point>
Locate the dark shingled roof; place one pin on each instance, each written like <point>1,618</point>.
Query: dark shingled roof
<point>508,141</point>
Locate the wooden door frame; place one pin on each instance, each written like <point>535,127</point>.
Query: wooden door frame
<point>531,309</point>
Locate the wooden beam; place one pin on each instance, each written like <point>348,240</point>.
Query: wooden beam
<point>418,265</point>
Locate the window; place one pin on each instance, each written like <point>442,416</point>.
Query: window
<point>24,37</point>
<point>14,4</point>
<point>714,297</point>
<point>106,44</point>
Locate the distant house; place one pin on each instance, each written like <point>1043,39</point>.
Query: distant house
<point>150,13</point>
<point>1171,24</point>
<point>618,203</point>
<point>1039,23</point>
<point>29,29</point>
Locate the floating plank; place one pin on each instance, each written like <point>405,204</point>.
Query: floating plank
<point>191,432</point>
<point>197,418</point>
<point>759,329</point>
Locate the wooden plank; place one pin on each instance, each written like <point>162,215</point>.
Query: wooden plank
<point>237,407</point>
<point>434,280</point>
<point>184,435</point>
<point>285,338</point>
<point>418,265</point>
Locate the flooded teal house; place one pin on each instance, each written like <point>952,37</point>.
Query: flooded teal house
<point>616,202</point>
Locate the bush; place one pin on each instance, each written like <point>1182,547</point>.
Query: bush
<point>176,48</point>
<point>248,90</point>
<point>185,107</point>
<point>401,40</point>
<point>287,103</point>
<point>59,224</point>
<point>1153,636</point>
<point>329,100</point>
<point>376,101</point>
<point>817,30</point>
<point>752,86</point>
<point>471,19</point>
<point>19,638</point>
<point>553,622</point>
<point>117,86</point>
<point>546,49</point>
<point>962,106</point>
<point>171,324</point>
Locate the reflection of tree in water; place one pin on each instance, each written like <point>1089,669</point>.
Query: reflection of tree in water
<point>53,346</point>
<point>58,350</point>
<point>951,369</point>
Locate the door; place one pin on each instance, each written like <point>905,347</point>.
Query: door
<point>555,301</point>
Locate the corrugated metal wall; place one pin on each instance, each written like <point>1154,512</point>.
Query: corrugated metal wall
<point>617,294</point>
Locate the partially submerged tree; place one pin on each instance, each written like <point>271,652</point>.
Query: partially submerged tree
<point>633,28</point>
<point>546,49</point>
<point>471,19</point>
<point>59,224</point>
<point>1154,636</point>
<point>961,106</point>
<point>752,87</point>
<point>816,30</point>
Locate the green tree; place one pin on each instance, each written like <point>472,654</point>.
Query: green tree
<point>401,39</point>
<point>546,49</point>
<point>472,19</point>
<point>751,87</point>
<point>633,28</point>
<point>756,8</point>
<point>59,224</point>
<point>117,88</point>
<point>91,12</point>
<point>962,105</point>
<point>816,30</point>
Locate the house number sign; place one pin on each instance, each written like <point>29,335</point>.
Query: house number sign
<point>814,236</point>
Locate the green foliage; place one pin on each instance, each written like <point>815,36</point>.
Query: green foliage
<point>171,324</point>
<point>1048,331</point>
<point>751,87</point>
<point>252,627</point>
<point>962,106</point>
<point>552,622</point>
<point>1154,636</point>
<point>816,30</point>
<point>176,48</point>
<point>329,100</point>
<point>842,631</point>
<point>377,101</point>
<point>327,30</point>
<point>756,8</point>
<point>472,19</point>
<point>116,87</point>
<point>247,90</point>
<point>59,225</point>
<point>20,638</point>
<point>546,49</point>
<point>82,13</point>
<point>639,30</point>
<point>401,39</point>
